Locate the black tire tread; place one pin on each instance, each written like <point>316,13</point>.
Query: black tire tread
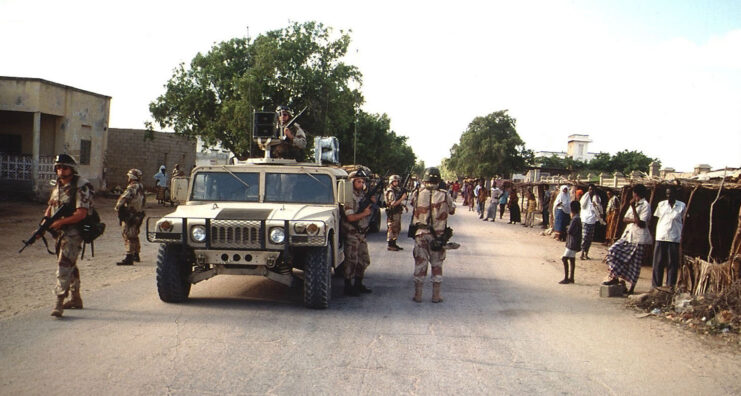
<point>318,278</point>
<point>172,274</point>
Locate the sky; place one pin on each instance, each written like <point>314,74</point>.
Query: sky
<point>661,77</point>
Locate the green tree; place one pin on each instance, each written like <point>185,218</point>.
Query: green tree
<point>378,147</point>
<point>489,147</point>
<point>627,161</point>
<point>299,66</point>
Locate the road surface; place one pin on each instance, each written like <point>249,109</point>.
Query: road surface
<point>505,327</point>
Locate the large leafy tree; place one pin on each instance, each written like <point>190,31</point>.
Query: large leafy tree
<point>489,147</point>
<point>378,147</point>
<point>299,66</point>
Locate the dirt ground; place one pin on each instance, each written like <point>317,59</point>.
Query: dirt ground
<point>27,279</point>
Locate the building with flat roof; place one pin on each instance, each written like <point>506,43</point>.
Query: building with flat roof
<point>40,119</point>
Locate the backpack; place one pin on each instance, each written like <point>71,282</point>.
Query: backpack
<point>90,227</point>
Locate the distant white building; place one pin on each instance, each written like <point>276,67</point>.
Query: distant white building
<point>576,148</point>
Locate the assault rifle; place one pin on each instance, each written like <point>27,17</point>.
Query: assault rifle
<point>282,128</point>
<point>366,201</point>
<point>402,190</point>
<point>46,222</point>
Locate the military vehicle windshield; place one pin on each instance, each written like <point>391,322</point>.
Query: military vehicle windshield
<point>298,188</point>
<point>226,186</point>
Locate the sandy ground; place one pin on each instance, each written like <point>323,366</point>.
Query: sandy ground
<point>27,279</point>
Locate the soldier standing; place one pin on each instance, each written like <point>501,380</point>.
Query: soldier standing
<point>395,197</point>
<point>130,209</point>
<point>431,209</point>
<point>293,140</point>
<point>356,223</point>
<point>77,193</point>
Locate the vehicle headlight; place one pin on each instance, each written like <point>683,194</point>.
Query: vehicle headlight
<point>277,235</point>
<point>198,233</point>
<point>312,229</point>
<point>299,228</point>
<point>166,226</point>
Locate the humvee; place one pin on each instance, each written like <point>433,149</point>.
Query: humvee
<point>270,217</point>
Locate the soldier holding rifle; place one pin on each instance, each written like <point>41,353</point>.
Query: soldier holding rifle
<point>293,138</point>
<point>130,209</point>
<point>395,197</point>
<point>356,222</point>
<point>76,194</point>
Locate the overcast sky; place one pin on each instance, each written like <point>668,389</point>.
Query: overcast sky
<point>662,77</point>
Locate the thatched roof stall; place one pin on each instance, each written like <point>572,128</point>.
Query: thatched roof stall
<point>696,234</point>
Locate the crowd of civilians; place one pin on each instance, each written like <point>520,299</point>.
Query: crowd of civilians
<point>576,213</point>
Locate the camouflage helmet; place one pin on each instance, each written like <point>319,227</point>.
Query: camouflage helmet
<point>134,174</point>
<point>283,108</point>
<point>394,178</point>
<point>432,175</point>
<point>65,160</point>
<point>358,174</point>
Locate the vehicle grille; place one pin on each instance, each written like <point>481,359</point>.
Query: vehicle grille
<point>304,240</point>
<point>237,234</point>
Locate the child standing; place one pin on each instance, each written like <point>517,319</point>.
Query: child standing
<point>573,243</point>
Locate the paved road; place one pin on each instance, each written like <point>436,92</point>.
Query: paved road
<point>506,327</point>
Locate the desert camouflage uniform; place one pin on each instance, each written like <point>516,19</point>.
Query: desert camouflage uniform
<point>69,241</point>
<point>134,199</point>
<point>291,149</point>
<point>357,258</point>
<point>393,215</point>
<point>441,205</point>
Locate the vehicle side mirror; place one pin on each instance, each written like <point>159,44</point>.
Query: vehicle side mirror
<point>344,191</point>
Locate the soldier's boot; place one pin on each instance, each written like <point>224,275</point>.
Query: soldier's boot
<point>392,246</point>
<point>397,246</point>
<point>128,260</point>
<point>75,302</point>
<point>436,298</point>
<point>59,308</point>
<point>350,289</point>
<point>360,287</point>
<point>418,287</point>
<point>136,258</point>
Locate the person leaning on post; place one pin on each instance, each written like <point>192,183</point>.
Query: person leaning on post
<point>625,256</point>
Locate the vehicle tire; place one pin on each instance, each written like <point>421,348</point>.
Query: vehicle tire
<point>172,274</point>
<point>318,277</point>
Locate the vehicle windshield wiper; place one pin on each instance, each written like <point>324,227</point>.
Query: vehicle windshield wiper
<point>314,177</point>
<point>236,177</point>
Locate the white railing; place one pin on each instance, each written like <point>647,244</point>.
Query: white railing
<point>20,167</point>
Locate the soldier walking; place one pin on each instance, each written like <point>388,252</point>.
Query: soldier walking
<point>130,209</point>
<point>356,222</point>
<point>432,206</point>
<point>395,197</point>
<point>77,194</point>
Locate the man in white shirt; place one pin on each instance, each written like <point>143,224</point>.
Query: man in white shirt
<point>668,235</point>
<point>625,256</point>
<point>590,214</point>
